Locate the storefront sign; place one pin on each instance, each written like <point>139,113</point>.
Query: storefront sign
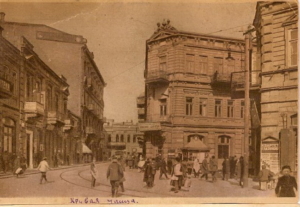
<point>149,126</point>
<point>270,155</point>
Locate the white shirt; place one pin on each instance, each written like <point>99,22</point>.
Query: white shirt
<point>43,166</point>
<point>177,169</point>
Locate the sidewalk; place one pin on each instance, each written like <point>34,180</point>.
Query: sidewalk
<point>35,171</point>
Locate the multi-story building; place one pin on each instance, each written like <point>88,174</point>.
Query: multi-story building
<point>68,55</point>
<point>188,95</point>
<point>35,113</point>
<point>10,125</point>
<point>122,138</point>
<point>276,26</point>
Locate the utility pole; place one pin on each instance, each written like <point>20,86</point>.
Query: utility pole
<point>248,51</point>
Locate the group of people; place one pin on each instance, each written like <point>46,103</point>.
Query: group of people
<point>10,162</point>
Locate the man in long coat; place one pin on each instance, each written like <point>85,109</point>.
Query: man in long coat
<point>114,173</point>
<point>204,168</point>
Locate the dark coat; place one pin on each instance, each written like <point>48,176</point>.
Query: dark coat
<point>226,166</point>
<point>213,165</point>
<point>285,186</point>
<point>148,174</point>
<point>114,171</point>
<point>204,166</point>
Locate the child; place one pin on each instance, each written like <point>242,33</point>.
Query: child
<point>19,171</point>
<point>187,183</point>
<point>93,173</point>
<point>43,168</point>
<point>286,183</point>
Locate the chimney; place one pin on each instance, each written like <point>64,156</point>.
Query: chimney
<point>2,16</point>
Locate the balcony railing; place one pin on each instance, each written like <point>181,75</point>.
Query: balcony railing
<point>116,144</point>
<point>141,111</point>
<point>221,78</point>
<point>34,106</point>
<point>158,118</point>
<point>55,117</point>
<point>89,130</point>
<point>238,80</point>
<point>6,86</point>
<point>157,76</point>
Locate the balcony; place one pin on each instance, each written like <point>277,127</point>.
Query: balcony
<point>159,76</point>
<point>68,124</point>
<point>6,86</point>
<point>158,118</point>
<point>116,144</point>
<point>140,101</point>
<point>141,111</point>
<point>238,80</point>
<point>221,79</point>
<point>33,106</point>
<point>55,117</point>
<point>89,130</point>
<point>90,107</point>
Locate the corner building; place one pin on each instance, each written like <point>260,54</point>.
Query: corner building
<point>188,80</point>
<point>276,26</point>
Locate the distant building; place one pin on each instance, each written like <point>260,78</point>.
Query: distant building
<point>122,138</point>
<point>189,93</point>
<point>276,26</point>
<point>68,55</point>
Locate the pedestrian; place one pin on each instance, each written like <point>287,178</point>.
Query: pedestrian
<point>17,164</point>
<point>130,161</point>
<point>225,168</point>
<point>5,161</point>
<point>122,179</point>
<point>213,167</point>
<point>163,168</point>
<point>178,174</point>
<point>148,174</point>
<point>43,168</point>
<point>263,177</point>
<point>170,165</point>
<point>68,159</point>
<point>286,184</point>
<point>154,166</point>
<point>240,166</point>
<point>204,168</point>
<point>114,173</point>
<point>231,163</point>
<point>141,165</point>
<point>136,162</point>
<point>94,173</point>
<point>158,161</point>
<point>196,167</point>
<point>187,183</point>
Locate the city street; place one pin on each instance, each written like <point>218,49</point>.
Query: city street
<point>75,182</point>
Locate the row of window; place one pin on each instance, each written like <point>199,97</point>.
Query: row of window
<point>199,64</point>
<point>121,138</point>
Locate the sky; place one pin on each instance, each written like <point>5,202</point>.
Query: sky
<point>117,31</point>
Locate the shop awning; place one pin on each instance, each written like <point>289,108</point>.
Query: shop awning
<point>85,149</point>
<point>196,145</point>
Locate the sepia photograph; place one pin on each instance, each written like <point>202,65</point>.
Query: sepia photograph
<point>148,102</point>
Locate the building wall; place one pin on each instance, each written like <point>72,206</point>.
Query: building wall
<point>185,66</point>
<point>274,22</point>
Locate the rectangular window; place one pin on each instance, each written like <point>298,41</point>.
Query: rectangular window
<point>223,151</point>
<point>218,64</point>
<point>163,63</point>
<point>218,104</point>
<point>203,64</point>
<point>163,107</point>
<point>202,106</point>
<point>242,108</point>
<point>189,106</point>
<point>128,138</point>
<point>292,47</point>
<point>190,63</point>
<point>230,109</point>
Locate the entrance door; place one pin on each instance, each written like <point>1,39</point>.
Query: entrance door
<point>29,148</point>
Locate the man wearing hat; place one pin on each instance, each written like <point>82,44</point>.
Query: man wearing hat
<point>43,168</point>
<point>115,173</point>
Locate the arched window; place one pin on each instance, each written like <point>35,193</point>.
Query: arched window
<point>122,138</point>
<point>223,146</point>
<point>117,138</point>
<point>7,142</point>
<point>195,137</point>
